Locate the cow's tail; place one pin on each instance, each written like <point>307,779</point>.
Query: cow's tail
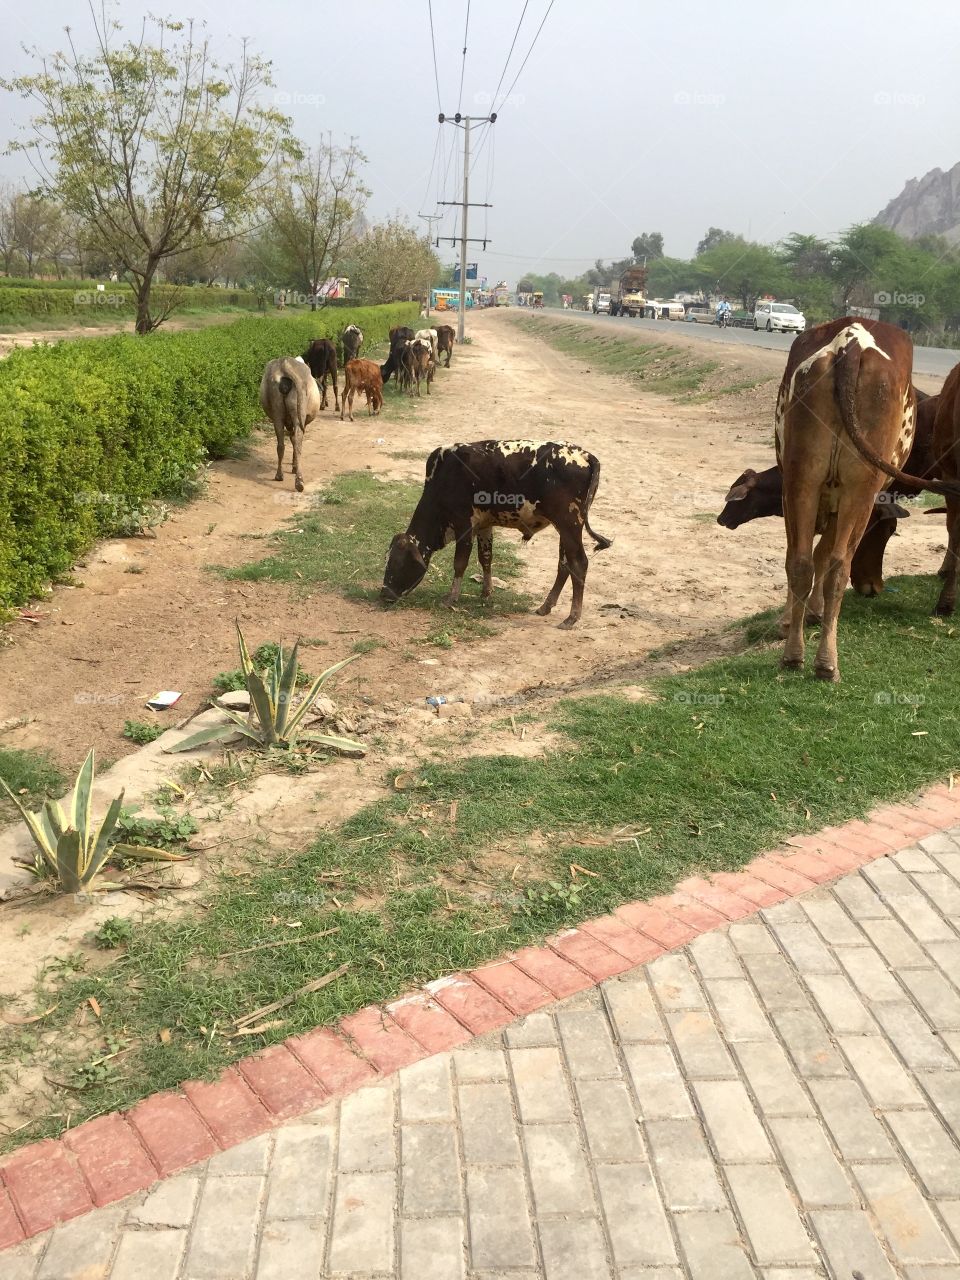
<point>286,384</point>
<point>846,373</point>
<point>600,542</point>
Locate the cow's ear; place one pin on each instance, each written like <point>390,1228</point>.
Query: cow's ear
<point>738,493</point>
<point>898,512</point>
<point>417,554</point>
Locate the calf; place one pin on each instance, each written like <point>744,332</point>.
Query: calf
<point>421,362</point>
<point>291,400</point>
<point>362,375</point>
<point>321,356</point>
<point>351,340</point>
<point>445,336</point>
<point>846,415</point>
<point>470,489</point>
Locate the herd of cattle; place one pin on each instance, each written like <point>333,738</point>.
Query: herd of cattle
<point>853,435</point>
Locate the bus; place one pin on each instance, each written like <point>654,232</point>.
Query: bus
<point>450,297</point>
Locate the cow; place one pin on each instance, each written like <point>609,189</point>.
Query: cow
<point>428,335</point>
<point>361,375</point>
<point>399,335</point>
<point>291,400</point>
<point>351,340</point>
<point>445,336</point>
<point>421,363</point>
<point>756,494</point>
<point>321,356</point>
<point>845,420</point>
<point>471,489</point>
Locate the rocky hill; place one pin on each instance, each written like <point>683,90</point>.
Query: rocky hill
<point>926,206</point>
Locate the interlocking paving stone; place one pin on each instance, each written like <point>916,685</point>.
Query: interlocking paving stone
<point>779,1099</point>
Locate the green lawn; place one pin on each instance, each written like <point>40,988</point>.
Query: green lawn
<point>727,761</point>
<point>31,775</point>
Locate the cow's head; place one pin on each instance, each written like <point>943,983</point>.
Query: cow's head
<point>866,569</point>
<point>405,568</point>
<point>754,494</point>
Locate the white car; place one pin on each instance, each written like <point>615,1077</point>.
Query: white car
<point>778,315</point>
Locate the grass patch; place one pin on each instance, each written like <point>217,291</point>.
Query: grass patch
<point>31,775</point>
<point>667,370</point>
<point>728,761</point>
<point>340,541</point>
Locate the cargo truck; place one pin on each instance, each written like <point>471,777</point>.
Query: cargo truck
<point>630,298</point>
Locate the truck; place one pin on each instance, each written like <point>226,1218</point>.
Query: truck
<point>501,294</point>
<point>601,302</point>
<point>630,299</point>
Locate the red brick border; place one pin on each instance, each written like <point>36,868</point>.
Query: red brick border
<point>112,1156</point>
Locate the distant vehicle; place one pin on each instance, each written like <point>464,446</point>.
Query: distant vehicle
<point>601,304</point>
<point>586,302</point>
<point>537,299</point>
<point>698,312</point>
<point>658,309</point>
<point>501,296</point>
<point>778,316</point>
<point>629,299</point>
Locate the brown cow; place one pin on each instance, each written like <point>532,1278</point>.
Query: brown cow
<point>946,445</point>
<point>846,414</point>
<point>445,336</point>
<point>361,375</point>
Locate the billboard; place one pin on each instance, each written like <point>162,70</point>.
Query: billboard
<point>472,273</point>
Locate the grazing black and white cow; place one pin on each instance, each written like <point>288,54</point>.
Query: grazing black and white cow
<point>471,489</point>
<point>351,340</point>
<point>400,335</point>
<point>321,356</point>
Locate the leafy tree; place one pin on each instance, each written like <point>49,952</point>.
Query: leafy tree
<point>9,228</point>
<point>742,268</point>
<point>714,237</point>
<point>649,245</point>
<point>35,220</point>
<point>666,275</point>
<point>313,207</point>
<point>156,147</point>
<point>807,257</point>
<point>392,262</point>
<point>867,262</point>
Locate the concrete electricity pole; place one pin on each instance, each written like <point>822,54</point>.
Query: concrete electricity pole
<point>465,123</point>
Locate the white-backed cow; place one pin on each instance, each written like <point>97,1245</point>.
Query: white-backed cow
<point>471,489</point>
<point>290,398</point>
<point>351,340</point>
<point>845,423</point>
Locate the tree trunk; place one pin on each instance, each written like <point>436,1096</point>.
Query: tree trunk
<point>143,289</point>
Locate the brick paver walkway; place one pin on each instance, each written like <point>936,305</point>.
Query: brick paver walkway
<point>780,1098</point>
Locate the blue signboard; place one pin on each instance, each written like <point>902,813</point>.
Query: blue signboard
<point>471,272</point>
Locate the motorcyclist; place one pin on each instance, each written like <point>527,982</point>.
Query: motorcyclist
<point>723,312</point>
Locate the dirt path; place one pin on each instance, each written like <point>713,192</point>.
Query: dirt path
<point>100,651</point>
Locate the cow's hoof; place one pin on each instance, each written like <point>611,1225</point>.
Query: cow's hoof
<point>830,674</point>
<point>568,623</point>
<point>944,609</point>
<point>544,610</point>
<point>791,664</point>
<point>299,486</point>
<point>278,476</point>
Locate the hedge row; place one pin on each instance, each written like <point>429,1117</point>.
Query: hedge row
<point>78,298</point>
<point>91,429</point>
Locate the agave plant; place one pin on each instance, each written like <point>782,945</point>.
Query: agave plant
<point>276,721</point>
<point>69,846</point>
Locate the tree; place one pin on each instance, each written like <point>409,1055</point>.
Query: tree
<point>714,237</point>
<point>9,228</point>
<point>312,210</point>
<point>157,148</point>
<point>807,257</point>
<point>868,262</point>
<point>648,244</point>
<point>743,268</point>
<point>392,262</point>
<point>36,220</point>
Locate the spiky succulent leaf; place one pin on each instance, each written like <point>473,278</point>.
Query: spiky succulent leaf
<point>101,843</point>
<point>246,662</point>
<point>69,855</point>
<point>287,687</point>
<point>200,739</point>
<point>148,854</point>
<point>264,707</point>
<point>81,800</point>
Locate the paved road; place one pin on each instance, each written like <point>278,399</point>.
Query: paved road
<point>780,1099</point>
<point>934,361</point>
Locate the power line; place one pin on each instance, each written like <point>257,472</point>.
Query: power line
<point>463,65</point>
<point>433,45</point>
<point>529,51</point>
<point>433,165</point>
<point>513,44</point>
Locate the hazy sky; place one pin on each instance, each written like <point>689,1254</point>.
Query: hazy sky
<point>631,115</point>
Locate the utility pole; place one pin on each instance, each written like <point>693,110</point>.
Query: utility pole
<point>429,219</point>
<point>464,123</point>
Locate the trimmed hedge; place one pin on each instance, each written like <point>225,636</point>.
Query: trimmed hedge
<point>91,429</point>
<point>80,297</point>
